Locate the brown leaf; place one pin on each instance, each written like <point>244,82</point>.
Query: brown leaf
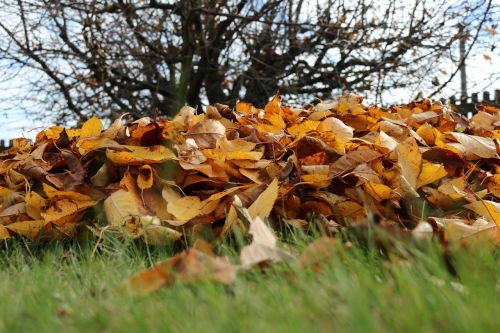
<point>318,253</point>
<point>480,146</point>
<point>351,160</point>
<point>188,266</point>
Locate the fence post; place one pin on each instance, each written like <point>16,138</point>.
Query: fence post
<point>475,98</point>
<point>486,96</point>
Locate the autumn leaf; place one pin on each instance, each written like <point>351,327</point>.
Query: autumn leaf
<point>264,247</point>
<point>351,160</point>
<point>188,266</point>
<point>206,133</point>
<point>336,127</point>
<point>120,206</point>
<point>4,233</point>
<point>318,253</point>
<point>28,229</point>
<point>480,146</point>
<point>185,208</point>
<point>34,205</point>
<point>264,204</point>
<point>303,128</point>
<point>410,161</point>
<point>91,127</point>
<point>145,177</point>
<point>430,173</point>
<point>489,210</point>
<point>133,155</point>
<point>378,191</point>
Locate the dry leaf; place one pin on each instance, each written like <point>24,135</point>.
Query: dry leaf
<point>91,127</point>
<point>133,155</point>
<point>189,266</point>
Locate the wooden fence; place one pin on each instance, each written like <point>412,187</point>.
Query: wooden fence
<point>466,107</point>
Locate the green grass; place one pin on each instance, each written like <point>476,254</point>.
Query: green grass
<point>56,287</point>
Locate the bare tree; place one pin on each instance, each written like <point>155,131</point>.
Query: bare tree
<point>112,56</point>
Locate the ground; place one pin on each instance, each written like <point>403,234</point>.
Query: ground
<point>72,287</point>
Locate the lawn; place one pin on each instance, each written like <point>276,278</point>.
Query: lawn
<point>70,287</point>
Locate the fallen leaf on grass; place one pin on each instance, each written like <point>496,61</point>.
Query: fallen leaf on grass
<point>189,266</point>
<point>264,247</point>
<point>318,253</point>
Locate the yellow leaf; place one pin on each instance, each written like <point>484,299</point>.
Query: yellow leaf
<point>493,185</point>
<point>410,161</point>
<point>378,191</point>
<point>245,108</point>
<point>242,155</point>
<point>274,114</point>
<point>219,195</point>
<point>88,144</point>
<point>73,133</point>
<point>184,209</point>
<point>34,205</point>
<point>4,232</point>
<point>303,128</point>
<point>267,128</point>
<point>264,204</point>
<point>231,218</point>
<point>428,133</point>
<point>208,206</point>
<point>489,210</point>
<point>120,206</point>
<point>349,209</point>
<point>273,106</point>
<point>28,229</point>
<point>145,177</point>
<point>236,145</point>
<point>140,155</point>
<point>64,210</point>
<point>276,121</point>
<point>430,173</point>
<point>319,180</point>
<point>51,133</point>
<point>91,127</point>
<point>53,194</point>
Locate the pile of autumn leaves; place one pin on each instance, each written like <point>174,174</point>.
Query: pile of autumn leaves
<point>418,168</point>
